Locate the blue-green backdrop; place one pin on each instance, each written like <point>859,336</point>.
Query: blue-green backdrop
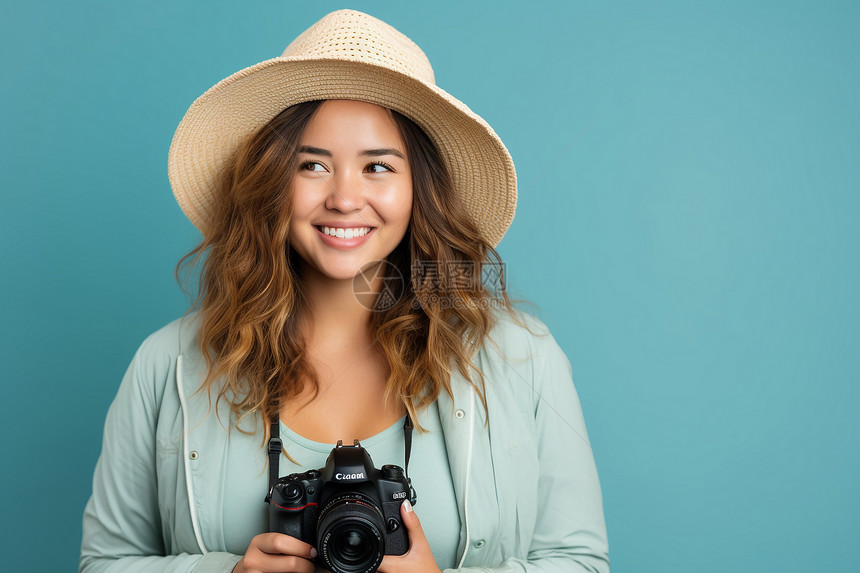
<point>687,226</point>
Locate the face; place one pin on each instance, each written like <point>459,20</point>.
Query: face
<point>352,194</point>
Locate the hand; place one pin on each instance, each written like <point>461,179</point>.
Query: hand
<point>419,558</point>
<point>276,553</point>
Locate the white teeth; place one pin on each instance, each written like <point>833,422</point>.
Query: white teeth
<point>346,233</point>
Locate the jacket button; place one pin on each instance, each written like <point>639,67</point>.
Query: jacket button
<point>479,543</point>
<point>460,414</point>
<point>193,455</point>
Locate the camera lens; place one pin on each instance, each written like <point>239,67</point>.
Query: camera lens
<point>354,545</point>
<point>350,532</point>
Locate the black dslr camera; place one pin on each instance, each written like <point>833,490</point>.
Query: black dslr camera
<point>348,510</point>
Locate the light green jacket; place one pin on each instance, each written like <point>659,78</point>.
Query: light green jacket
<point>526,483</point>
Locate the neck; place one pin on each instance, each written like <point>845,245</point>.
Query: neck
<point>334,311</point>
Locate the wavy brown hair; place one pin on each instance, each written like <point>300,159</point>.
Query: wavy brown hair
<point>251,298</point>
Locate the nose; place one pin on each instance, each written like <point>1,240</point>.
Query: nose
<point>347,192</point>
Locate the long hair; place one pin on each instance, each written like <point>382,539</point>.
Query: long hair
<point>251,298</point>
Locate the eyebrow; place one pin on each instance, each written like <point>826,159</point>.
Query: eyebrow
<point>381,151</point>
<point>366,153</point>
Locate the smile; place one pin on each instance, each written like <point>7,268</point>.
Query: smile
<point>345,232</point>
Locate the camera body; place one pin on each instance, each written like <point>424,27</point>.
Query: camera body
<point>349,510</point>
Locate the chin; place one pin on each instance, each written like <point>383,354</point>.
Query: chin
<point>340,272</point>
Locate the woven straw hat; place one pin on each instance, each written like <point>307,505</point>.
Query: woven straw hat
<point>346,55</point>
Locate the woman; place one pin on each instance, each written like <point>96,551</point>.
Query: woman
<point>348,207</point>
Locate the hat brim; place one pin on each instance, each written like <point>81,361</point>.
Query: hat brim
<point>228,113</point>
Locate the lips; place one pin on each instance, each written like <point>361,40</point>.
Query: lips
<point>340,240</point>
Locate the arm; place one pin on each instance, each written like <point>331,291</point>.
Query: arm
<point>570,533</point>
<point>122,523</point>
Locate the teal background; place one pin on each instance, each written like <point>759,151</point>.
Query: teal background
<point>687,226</point>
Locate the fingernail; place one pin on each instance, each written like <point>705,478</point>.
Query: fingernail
<point>407,506</point>
<point>313,552</point>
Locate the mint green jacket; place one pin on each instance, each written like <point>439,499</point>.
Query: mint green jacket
<point>526,483</point>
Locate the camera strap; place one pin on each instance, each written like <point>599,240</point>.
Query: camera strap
<point>276,446</point>
<point>407,438</point>
<point>275,449</point>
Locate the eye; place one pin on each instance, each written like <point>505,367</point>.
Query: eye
<point>379,167</point>
<point>311,166</point>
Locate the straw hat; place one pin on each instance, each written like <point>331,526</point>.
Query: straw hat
<point>346,55</point>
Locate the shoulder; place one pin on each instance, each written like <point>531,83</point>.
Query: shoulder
<point>174,338</point>
<point>518,335</point>
<point>518,326</point>
<point>154,363</point>
<point>520,347</point>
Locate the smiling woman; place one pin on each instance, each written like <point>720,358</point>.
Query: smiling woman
<point>360,167</point>
<point>352,196</point>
